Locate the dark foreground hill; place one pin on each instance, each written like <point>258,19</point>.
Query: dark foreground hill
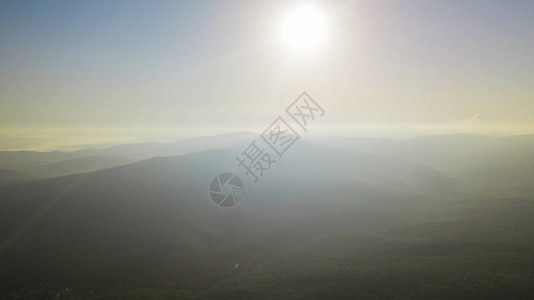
<point>323,223</point>
<point>8,177</point>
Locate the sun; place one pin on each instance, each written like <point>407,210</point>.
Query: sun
<point>304,29</point>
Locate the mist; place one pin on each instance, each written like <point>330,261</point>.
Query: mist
<point>266,150</point>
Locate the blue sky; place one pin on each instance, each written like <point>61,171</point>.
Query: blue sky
<point>196,67</point>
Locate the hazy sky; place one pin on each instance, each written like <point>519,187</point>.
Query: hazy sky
<point>82,72</point>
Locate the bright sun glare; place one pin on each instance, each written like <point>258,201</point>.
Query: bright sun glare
<point>304,29</point>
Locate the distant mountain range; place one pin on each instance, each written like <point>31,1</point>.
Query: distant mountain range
<point>480,160</point>
<point>52,164</point>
